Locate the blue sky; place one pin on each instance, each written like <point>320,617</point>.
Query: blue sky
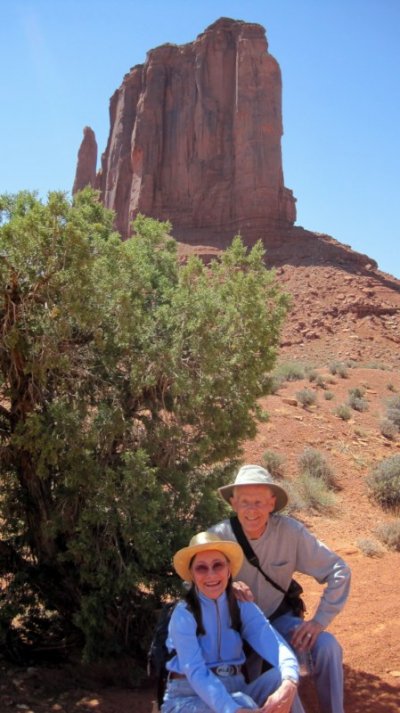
<point>61,60</point>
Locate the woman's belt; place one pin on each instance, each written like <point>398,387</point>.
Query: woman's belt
<point>222,670</point>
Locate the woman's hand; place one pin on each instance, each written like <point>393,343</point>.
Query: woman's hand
<point>281,700</point>
<point>242,592</point>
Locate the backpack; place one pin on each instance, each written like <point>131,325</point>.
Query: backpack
<point>158,654</point>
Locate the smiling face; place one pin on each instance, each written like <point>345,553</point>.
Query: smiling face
<point>210,571</point>
<point>253,505</point>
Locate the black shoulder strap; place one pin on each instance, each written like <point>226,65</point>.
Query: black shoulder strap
<point>248,551</point>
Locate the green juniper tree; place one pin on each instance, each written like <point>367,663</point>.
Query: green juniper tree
<point>128,381</point>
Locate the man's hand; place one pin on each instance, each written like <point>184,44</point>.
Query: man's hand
<point>242,592</point>
<point>305,635</point>
<point>281,700</point>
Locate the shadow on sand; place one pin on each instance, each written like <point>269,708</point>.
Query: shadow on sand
<point>364,693</point>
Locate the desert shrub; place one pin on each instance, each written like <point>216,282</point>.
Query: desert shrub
<point>342,411</point>
<point>272,383</point>
<point>369,547</point>
<point>274,463</point>
<point>388,429</point>
<point>296,500</point>
<point>317,379</point>
<point>339,368</point>
<point>389,533</point>
<point>358,404</point>
<point>312,375</point>
<point>261,414</point>
<point>383,482</point>
<point>329,395</point>
<point>313,463</point>
<point>393,410</point>
<point>330,379</point>
<point>376,365</point>
<point>315,493</point>
<point>390,386</point>
<point>306,397</point>
<point>357,391</point>
<point>290,371</point>
<point>356,399</point>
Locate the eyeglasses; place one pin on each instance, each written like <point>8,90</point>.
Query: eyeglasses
<point>256,505</point>
<point>215,568</point>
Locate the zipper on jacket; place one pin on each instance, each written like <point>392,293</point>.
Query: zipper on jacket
<point>218,630</point>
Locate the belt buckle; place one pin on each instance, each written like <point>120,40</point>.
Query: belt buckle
<point>225,670</point>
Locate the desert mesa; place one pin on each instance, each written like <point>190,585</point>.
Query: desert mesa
<point>195,138</point>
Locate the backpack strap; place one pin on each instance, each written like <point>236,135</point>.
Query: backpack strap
<point>248,551</point>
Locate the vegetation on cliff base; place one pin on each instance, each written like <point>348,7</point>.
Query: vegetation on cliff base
<point>127,382</point>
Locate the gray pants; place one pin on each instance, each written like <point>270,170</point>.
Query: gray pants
<point>181,698</point>
<point>326,664</point>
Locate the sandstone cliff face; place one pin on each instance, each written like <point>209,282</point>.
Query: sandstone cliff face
<point>195,137</point>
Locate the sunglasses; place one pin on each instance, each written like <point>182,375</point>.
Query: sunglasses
<point>216,568</point>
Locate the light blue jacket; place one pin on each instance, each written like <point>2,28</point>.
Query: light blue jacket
<point>222,644</point>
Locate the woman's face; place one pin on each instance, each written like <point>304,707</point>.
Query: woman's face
<point>211,571</point>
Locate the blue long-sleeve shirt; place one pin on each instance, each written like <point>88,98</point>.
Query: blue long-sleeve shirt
<point>195,655</point>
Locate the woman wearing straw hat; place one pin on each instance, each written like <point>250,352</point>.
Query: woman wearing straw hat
<point>206,634</point>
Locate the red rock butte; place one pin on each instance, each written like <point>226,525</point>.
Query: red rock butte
<point>195,137</point>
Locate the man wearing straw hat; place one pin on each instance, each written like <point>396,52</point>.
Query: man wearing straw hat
<point>283,546</point>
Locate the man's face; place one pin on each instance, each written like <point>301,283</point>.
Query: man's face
<point>253,505</point>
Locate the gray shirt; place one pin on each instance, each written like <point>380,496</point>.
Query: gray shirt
<point>286,547</point>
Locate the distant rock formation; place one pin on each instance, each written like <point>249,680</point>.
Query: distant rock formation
<point>195,138</point>
<point>87,161</point>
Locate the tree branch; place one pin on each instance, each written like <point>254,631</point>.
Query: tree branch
<point>10,559</point>
<point>5,412</point>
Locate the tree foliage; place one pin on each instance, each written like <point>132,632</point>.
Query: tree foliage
<point>128,381</point>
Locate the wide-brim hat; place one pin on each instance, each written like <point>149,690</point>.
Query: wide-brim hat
<point>207,541</point>
<point>255,475</point>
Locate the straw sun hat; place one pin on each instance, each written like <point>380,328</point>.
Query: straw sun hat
<point>255,475</point>
<point>207,541</point>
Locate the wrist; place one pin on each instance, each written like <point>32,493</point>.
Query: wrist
<point>318,624</point>
<point>290,679</point>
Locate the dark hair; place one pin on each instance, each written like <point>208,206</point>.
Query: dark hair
<point>193,604</point>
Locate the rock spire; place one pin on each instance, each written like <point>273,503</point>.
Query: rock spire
<point>87,161</point>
